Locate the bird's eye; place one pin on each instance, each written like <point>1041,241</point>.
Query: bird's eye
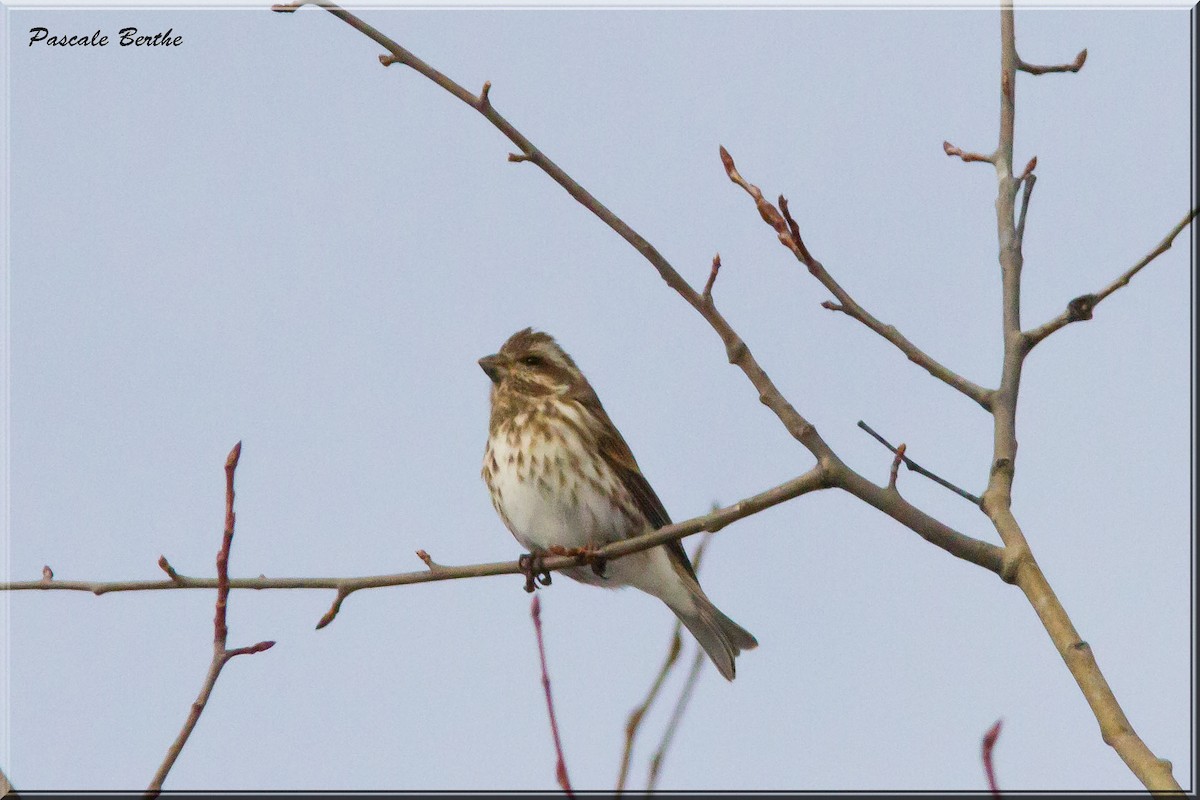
<point>532,361</point>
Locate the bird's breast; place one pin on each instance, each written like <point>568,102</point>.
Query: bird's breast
<point>552,487</point>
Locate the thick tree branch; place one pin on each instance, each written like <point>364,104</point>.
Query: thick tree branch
<point>788,231</point>
<point>997,499</point>
<point>1081,307</point>
<point>221,655</point>
<point>977,551</point>
<point>1020,565</point>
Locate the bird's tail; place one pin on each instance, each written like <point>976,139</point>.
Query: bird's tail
<point>721,637</point>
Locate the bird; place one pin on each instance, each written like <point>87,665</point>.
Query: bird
<point>563,480</point>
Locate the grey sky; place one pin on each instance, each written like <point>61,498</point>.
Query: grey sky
<point>263,235</point>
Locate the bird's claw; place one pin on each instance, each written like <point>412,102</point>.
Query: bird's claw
<point>530,565</point>
<point>591,556</point>
<point>588,554</point>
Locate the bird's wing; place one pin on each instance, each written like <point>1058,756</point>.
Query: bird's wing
<point>616,454</point>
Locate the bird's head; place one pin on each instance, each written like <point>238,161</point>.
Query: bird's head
<point>531,363</point>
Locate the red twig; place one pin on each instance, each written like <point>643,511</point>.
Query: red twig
<point>1029,168</point>
<point>1036,69</point>
<point>989,744</point>
<point>954,152</point>
<point>221,655</point>
<point>560,769</point>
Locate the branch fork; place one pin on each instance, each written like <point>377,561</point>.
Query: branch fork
<point>221,655</point>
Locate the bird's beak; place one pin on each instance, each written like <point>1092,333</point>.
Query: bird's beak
<point>491,366</point>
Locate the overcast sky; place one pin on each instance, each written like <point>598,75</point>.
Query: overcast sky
<point>262,235</point>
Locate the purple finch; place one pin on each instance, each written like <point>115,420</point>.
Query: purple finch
<point>563,479</point>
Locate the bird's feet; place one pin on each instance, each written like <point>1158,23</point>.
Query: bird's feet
<point>530,565</point>
<point>588,554</point>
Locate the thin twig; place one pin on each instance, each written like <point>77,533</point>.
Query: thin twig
<point>221,656</point>
<point>1028,180</point>
<point>788,231</point>
<point>1029,168</point>
<point>988,746</point>
<point>633,724</point>
<point>895,471</point>
<point>1034,69</point>
<point>712,279</point>
<point>681,703</point>
<point>955,152</point>
<point>166,567</point>
<point>560,767</point>
<point>917,468</point>
<point>1081,307</point>
<point>428,560</point>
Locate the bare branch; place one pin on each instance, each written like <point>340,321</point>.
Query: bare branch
<point>221,656</point>
<point>788,231</point>
<point>1020,567</point>
<point>998,493</point>
<point>681,703</point>
<point>988,745</point>
<point>736,349</point>
<point>917,468</point>
<point>634,722</point>
<point>830,468</point>
<point>676,643</point>
<point>560,768</point>
<point>810,481</point>
<point>1034,69</point>
<point>1081,307</point>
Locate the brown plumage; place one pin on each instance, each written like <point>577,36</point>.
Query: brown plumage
<point>561,475</point>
